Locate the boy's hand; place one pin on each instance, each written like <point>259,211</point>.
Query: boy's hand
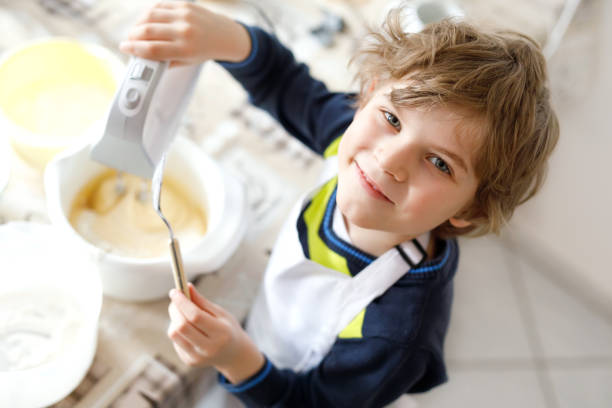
<point>204,334</point>
<point>186,33</point>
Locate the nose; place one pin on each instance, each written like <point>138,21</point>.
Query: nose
<point>393,159</point>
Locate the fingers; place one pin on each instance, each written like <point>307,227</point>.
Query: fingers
<point>176,31</point>
<point>161,13</point>
<point>152,31</point>
<point>158,41</point>
<point>198,315</point>
<point>180,327</point>
<point>154,50</point>
<point>187,353</point>
<point>173,4</point>
<point>165,12</point>
<point>189,343</point>
<point>204,303</point>
<point>155,15</point>
<point>180,340</point>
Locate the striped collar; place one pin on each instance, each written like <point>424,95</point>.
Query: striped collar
<point>332,232</point>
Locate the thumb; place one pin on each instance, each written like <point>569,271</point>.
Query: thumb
<point>204,303</point>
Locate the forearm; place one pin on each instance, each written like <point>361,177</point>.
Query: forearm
<point>234,41</point>
<point>245,362</point>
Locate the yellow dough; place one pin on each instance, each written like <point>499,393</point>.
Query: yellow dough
<point>127,224</point>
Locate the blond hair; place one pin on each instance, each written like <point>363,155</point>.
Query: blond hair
<point>499,78</point>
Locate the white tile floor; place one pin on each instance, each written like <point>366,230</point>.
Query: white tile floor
<point>517,339</point>
<point>569,221</point>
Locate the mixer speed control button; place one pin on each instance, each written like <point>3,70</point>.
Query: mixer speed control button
<point>132,97</point>
<point>141,71</point>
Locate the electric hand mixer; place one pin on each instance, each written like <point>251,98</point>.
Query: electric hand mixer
<point>140,127</point>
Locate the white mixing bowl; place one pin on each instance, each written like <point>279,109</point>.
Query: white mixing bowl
<point>50,301</point>
<point>140,279</point>
<point>54,93</point>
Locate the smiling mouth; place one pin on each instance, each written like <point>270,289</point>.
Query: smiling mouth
<point>370,186</point>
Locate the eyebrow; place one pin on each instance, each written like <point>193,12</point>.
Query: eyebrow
<point>455,157</point>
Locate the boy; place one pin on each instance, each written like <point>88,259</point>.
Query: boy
<point>451,132</point>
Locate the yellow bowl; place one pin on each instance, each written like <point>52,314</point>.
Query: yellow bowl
<point>55,93</point>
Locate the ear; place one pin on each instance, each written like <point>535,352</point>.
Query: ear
<point>459,223</point>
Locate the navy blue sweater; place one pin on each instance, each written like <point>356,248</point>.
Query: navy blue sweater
<point>400,347</point>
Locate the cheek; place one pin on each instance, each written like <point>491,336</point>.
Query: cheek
<point>341,195</point>
<point>346,150</point>
<point>355,138</point>
<point>445,204</point>
<point>343,145</point>
<point>431,202</point>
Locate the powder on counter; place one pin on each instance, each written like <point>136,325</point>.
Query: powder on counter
<point>37,325</point>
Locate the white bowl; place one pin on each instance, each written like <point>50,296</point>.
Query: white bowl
<point>50,301</point>
<point>54,76</point>
<point>140,279</point>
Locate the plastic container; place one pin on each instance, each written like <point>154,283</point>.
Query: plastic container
<point>50,301</point>
<point>139,279</point>
<point>53,93</point>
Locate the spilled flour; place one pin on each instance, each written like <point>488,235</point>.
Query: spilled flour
<point>36,326</point>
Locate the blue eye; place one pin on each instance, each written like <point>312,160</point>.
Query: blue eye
<point>393,120</point>
<point>440,164</point>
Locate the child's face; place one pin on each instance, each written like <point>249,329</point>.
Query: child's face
<point>404,171</point>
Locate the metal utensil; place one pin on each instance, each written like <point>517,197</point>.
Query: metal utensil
<point>177,260</point>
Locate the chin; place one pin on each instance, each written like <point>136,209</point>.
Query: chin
<point>355,215</point>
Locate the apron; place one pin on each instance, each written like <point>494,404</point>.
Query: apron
<point>303,306</point>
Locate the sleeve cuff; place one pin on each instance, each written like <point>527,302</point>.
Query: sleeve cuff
<point>265,388</point>
<point>248,383</point>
